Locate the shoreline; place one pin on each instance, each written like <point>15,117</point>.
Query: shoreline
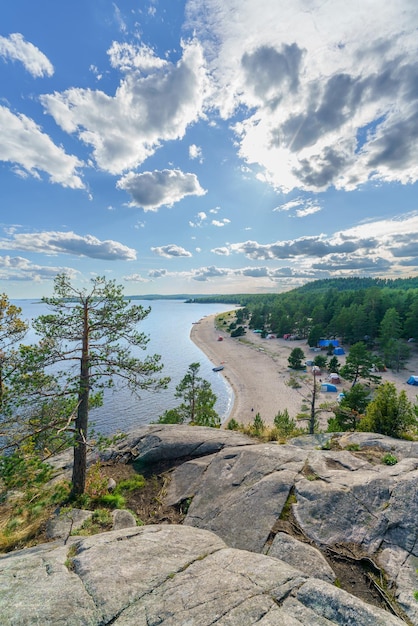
<point>257,376</point>
<point>258,372</point>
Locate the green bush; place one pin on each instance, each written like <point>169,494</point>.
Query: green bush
<point>389,459</point>
<point>112,500</point>
<point>130,484</point>
<point>19,470</point>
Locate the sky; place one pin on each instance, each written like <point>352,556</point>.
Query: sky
<point>207,146</point>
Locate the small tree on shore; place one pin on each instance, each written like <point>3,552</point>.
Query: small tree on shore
<point>295,358</point>
<point>360,364</point>
<point>389,413</point>
<point>198,403</point>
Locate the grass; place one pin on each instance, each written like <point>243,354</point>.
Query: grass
<point>28,499</point>
<point>99,522</point>
<point>24,514</point>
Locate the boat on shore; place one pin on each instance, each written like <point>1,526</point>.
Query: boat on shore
<point>219,368</point>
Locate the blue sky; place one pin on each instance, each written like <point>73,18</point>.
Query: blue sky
<point>207,146</point>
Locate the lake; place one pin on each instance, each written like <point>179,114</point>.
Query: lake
<point>168,326</point>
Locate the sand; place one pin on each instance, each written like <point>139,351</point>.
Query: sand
<point>258,373</point>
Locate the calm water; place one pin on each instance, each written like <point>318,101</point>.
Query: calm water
<point>168,326</point>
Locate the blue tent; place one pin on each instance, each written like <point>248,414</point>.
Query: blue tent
<point>328,387</point>
<point>324,343</point>
<point>412,380</point>
<point>339,351</point>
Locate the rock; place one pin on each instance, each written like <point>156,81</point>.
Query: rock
<point>247,493</point>
<point>160,442</point>
<point>111,484</point>
<point>65,522</point>
<point>302,556</point>
<point>238,493</point>
<point>168,575</point>
<point>340,499</point>
<point>123,519</point>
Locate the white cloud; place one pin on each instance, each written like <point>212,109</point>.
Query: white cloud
<point>170,251</point>
<point>195,153</point>
<point>135,278</point>
<point>151,190</point>
<point>127,57</point>
<point>376,247</point>
<point>309,209</point>
<point>199,220</point>
<point>16,48</point>
<point>24,143</point>
<point>68,243</point>
<point>220,223</point>
<point>21,269</point>
<point>125,129</point>
<point>319,97</point>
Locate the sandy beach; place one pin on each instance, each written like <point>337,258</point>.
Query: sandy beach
<point>257,370</point>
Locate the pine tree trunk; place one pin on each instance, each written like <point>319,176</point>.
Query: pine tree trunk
<point>81,424</point>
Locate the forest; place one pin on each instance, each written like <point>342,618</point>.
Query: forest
<point>381,312</point>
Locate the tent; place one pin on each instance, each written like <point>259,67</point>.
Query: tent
<point>328,387</point>
<point>412,380</point>
<point>338,351</point>
<point>334,378</point>
<point>324,343</point>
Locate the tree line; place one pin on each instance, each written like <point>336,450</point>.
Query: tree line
<point>383,317</point>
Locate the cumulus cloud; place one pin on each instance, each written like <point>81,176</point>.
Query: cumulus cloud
<point>34,61</point>
<point>317,100</point>
<point>125,129</point>
<point>127,57</point>
<point>157,273</point>
<point>220,223</point>
<point>374,247</point>
<point>21,269</point>
<point>199,220</point>
<point>195,152</point>
<point>69,243</point>
<point>24,143</point>
<point>151,190</point>
<point>171,251</point>
<point>205,273</point>
<point>135,278</point>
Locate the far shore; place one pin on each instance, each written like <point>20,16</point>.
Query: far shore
<point>257,370</point>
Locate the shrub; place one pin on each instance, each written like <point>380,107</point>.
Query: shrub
<point>96,483</point>
<point>389,459</point>
<point>130,484</point>
<point>284,423</point>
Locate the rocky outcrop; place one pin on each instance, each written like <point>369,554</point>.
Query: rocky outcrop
<point>262,520</point>
<point>171,575</point>
<point>339,500</point>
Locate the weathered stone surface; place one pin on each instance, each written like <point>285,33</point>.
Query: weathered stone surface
<point>237,488</point>
<point>158,442</point>
<point>64,522</point>
<point>302,556</point>
<point>370,506</point>
<point>123,519</point>
<point>339,607</point>
<point>170,575</point>
<point>240,492</point>
<point>340,498</point>
<point>153,443</point>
